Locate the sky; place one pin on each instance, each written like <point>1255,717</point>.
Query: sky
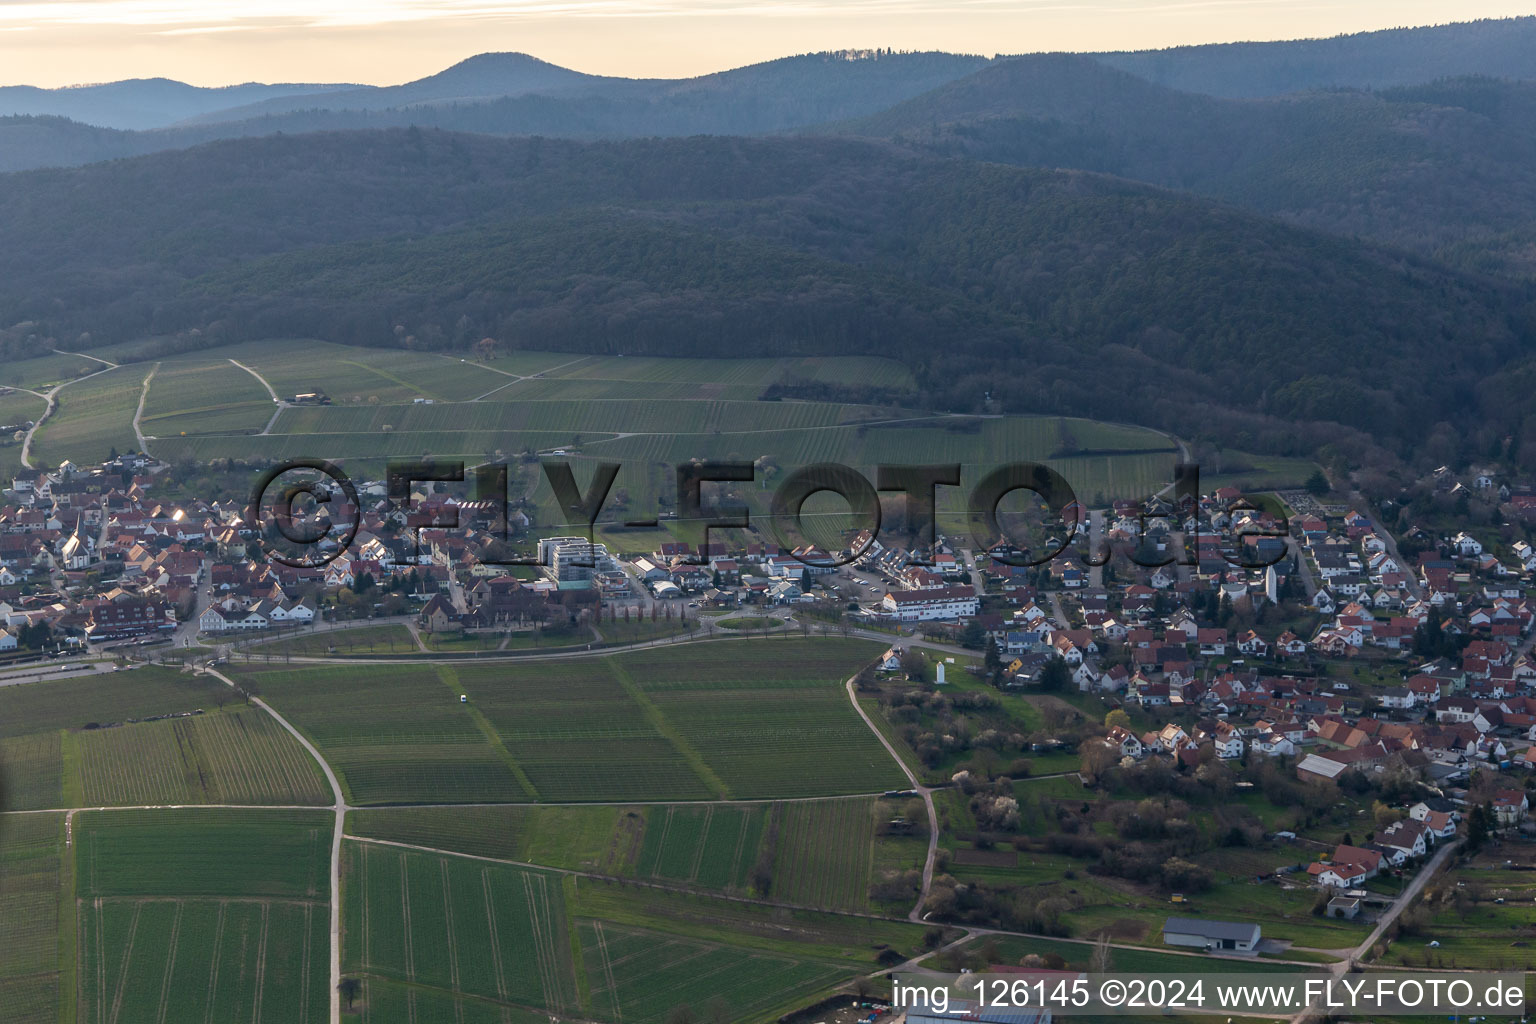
<point>221,42</point>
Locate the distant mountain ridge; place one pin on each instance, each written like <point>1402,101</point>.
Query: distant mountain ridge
<point>482,77</point>
<point>1372,60</point>
<point>1499,48</point>
<point>142,103</point>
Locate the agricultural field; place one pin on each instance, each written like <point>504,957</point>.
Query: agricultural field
<point>203,959</point>
<point>712,847</point>
<point>637,975</point>
<point>362,639</point>
<point>232,757</point>
<point>91,418</point>
<point>823,857</point>
<point>854,942</point>
<point>770,719</point>
<point>31,771</point>
<point>649,414</point>
<point>211,851</point>
<point>818,854</point>
<point>75,743</point>
<point>204,396</point>
<point>17,408</point>
<point>424,932</point>
<point>460,926</point>
<point>392,733</point>
<point>666,724</point>
<point>32,874</point>
<point>43,372</point>
<point>114,697</point>
<point>580,735</point>
<point>203,914</point>
<point>602,839</point>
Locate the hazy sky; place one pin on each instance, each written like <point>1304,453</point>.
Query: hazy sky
<point>217,42</point>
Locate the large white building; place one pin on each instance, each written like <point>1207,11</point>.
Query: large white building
<point>946,603</point>
<point>575,558</point>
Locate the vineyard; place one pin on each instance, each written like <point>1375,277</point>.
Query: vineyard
<point>596,838</point>
<point>659,725</point>
<point>772,721</point>
<point>30,880</point>
<point>639,976</point>
<point>579,736</point>
<point>113,697</point>
<point>582,416</point>
<point>823,854</point>
<point>393,733</point>
<point>239,757</point>
<point>31,772</point>
<point>207,396</point>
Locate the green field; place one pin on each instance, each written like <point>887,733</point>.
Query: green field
<point>203,915</point>
<point>649,414</point>
<point>819,854</point>
<point>362,639</point>
<point>91,418</point>
<point>31,771</point>
<point>711,847</point>
<point>203,959</point>
<point>204,852</point>
<point>393,733</point>
<point>204,396</point>
<point>234,757</point>
<point>824,854</point>
<point>425,932</point>
<point>637,975</point>
<point>771,717</point>
<point>31,876</point>
<point>111,697</point>
<point>459,925</point>
<point>42,372</point>
<point>675,723</point>
<point>87,752</point>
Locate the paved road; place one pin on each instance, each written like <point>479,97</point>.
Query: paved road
<point>1410,894</point>
<point>51,670</point>
<point>1095,541</point>
<point>1411,578</point>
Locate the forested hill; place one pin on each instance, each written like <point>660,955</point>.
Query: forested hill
<point>1500,48</point>
<point>1061,291</point>
<point>1446,169</point>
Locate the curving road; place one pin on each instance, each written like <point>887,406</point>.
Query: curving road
<point>922,791</point>
<point>51,397</point>
<point>138,415</point>
<point>340,807</point>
